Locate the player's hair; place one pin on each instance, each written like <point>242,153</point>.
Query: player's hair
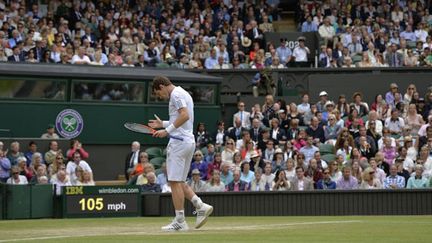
<point>160,80</point>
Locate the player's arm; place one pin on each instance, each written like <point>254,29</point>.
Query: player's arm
<point>181,119</point>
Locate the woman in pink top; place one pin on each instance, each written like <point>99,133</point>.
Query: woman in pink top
<point>389,151</point>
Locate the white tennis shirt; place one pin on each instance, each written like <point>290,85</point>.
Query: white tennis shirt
<point>180,98</point>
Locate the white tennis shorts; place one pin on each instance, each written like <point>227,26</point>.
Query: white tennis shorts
<point>179,158</point>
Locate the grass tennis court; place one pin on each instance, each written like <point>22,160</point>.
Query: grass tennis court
<point>223,229</point>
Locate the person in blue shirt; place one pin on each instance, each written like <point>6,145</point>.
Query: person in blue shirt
<point>226,174</point>
<point>246,174</point>
<point>309,25</point>
<point>326,182</point>
<point>284,53</point>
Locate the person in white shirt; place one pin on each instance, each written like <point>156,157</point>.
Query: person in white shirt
<point>16,178</point>
<point>72,166</point>
<point>394,123</point>
<point>60,181</point>
<point>301,52</point>
<point>180,151</point>
<point>80,57</point>
<point>326,31</point>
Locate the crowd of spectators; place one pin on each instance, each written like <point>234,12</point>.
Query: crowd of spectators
<point>309,145</point>
<point>137,33</point>
<point>369,33</point>
<point>50,167</point>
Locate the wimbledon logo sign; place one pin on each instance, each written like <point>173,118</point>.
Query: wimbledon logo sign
<point>69,123</point>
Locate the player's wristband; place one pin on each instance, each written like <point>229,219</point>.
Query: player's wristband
<point>170,128</point>
<point>165,124</point>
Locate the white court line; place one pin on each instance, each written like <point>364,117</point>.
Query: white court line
<point>228,228</point>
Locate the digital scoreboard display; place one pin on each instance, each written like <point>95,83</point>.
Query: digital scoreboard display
<point>101,201</point>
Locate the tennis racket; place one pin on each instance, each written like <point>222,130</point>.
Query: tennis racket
<point>140,128</point>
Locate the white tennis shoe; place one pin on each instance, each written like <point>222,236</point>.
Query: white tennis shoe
<point>202,215</point>
<point>175,226</point>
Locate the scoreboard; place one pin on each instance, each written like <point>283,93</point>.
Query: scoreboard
<point>101,201</point>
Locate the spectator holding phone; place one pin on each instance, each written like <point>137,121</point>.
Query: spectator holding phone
<point>76,146</point>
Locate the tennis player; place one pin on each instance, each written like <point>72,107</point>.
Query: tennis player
<point>179,153</point>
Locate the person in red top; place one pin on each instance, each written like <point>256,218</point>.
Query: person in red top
<point>76,146</point>
<point>313,172</point>
<point>214,165</point>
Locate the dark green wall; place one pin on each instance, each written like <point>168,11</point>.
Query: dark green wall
<point>28,201</point>
<point>103,123</point>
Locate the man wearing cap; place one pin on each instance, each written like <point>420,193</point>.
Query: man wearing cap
<point>196,183</point>
<point>284,53</point>
<point>301,52</point>
<point>323,100</point>
<point>50,133</point>
<point>183,62</point>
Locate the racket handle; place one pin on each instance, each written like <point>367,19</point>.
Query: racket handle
<point>175,137</point>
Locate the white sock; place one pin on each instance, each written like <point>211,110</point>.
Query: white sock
<point>196,201</point>
<point>180,217</point>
